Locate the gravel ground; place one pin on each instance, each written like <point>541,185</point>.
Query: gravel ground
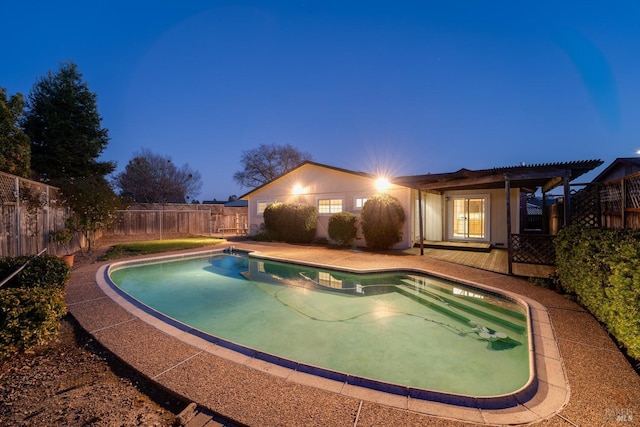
<point>74,381</point>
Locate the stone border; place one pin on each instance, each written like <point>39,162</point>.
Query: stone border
<point>543,398</point>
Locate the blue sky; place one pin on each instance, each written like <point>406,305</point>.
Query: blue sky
<point>404,87</point>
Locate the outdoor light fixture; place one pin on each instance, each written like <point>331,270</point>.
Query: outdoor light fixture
<point>382,184</point>
<point>298,189</point>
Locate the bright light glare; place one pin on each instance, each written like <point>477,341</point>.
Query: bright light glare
<point>382,184</point>
<point>298,189</point>
<point>381,310</point>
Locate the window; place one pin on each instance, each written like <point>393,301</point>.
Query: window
<point>359,202</point>
<point>329,206</point>
<point>326,279</point>
<point>263,205</point>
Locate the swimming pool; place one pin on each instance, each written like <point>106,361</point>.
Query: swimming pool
<point>400,330</point>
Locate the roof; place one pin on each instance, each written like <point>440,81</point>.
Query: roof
<point>309,162</point>
<point>529,177</point>
<point>236,204</point>
<point>628,163</point>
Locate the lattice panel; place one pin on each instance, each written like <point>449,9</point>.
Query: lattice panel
<point>632,190</point>
<point>611,197</point>
<point>533,249</point>
<point>585,207</point>
<point>7,189</point>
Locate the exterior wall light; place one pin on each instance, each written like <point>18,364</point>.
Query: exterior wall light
<point>382,184</point>
<point>298,189</point>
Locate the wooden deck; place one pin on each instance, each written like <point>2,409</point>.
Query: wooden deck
<point>494,260</point>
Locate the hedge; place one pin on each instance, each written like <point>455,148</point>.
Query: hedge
<point>342,227</point>
<point>602,268</point>
<point>291,222</point>
<point>382,218</point>
<point>32,303</point>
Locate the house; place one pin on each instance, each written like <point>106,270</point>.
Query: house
<point>480,206</point>
<point>330,189</point>
<point>619,168</point>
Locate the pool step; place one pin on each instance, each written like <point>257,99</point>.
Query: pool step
<point>438,291</point>
<point>443,302</point>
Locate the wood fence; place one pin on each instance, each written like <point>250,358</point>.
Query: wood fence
<point>29,211</point>
<point>160,221</point>
<point>620,202</point>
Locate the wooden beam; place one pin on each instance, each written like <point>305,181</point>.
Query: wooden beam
<point>507,189</point>
<point>567,202</point>
<point>420,221</point>
<point>553,179</point>
<point>460,183</point>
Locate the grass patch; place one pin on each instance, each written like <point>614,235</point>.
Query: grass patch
<point>124,250</point>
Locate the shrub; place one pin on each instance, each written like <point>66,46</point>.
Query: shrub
<point>28,318</point>
<point>292,223</point>
<point>602,268</point>
<point>382,218</point>
<point>45,271</point>
<point>31,303</point>
<point>274,220</point>
<point>342,227</point>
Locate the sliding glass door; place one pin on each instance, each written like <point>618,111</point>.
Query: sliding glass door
<point>469,218</point>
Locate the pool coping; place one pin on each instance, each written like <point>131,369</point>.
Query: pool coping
<point>545,394</point>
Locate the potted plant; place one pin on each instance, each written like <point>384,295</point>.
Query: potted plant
<point>63,238</point>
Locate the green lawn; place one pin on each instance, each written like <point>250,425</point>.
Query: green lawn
<point>146,247</point>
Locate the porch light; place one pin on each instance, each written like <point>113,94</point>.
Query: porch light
<point>382,184</point>
<point>298,189</point>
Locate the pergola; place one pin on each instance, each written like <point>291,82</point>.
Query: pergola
<point>529,178</point>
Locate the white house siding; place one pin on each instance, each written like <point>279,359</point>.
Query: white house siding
<point>318,182</point>
<point>433,214</point>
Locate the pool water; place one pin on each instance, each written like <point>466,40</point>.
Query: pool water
<point>401,328</point>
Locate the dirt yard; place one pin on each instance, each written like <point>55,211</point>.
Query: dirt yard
<point>74,381</point>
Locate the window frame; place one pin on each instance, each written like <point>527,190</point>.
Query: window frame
<point>331,211</point>
<point>355,202</point>
<point>266,202</point>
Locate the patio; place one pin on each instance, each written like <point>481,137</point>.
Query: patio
<point>496,260</point>
<point>602,386</point>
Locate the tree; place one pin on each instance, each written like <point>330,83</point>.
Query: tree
<point>15,150</point>
<point>93,203</point>
<point>152,178</point>
<point>268,162</point>
<point>65,130</point>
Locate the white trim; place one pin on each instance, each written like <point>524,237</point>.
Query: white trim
<point>487,216</point>
<point>258,202</point>
<point>355,202</point>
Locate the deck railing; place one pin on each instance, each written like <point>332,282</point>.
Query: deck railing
<point>533,249</point>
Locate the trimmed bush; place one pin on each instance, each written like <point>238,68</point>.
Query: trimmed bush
<point>382,218</point>
<point>602,268</point>
<point>32,303</point>
<point>291,223</point>
<point>342,228</point>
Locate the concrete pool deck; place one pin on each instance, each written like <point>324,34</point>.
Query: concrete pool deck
<point>583,379</point>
